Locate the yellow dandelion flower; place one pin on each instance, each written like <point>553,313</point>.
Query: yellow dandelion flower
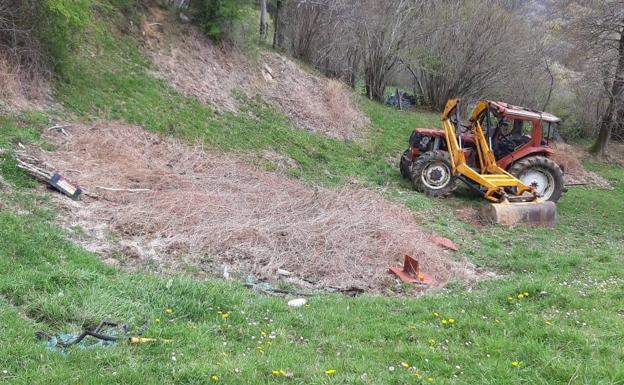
<point>157,320</point>
<point>276,372</point>
<point>435,314</point>
<point>214,378</point>
<point>451,320</point>
<point>168,310</point>
<point>520,296</point>
<point>225,315</point>
<point>431,341</point>
<point>510,298</point>
<point>444,322</point>
<point>330,372</point>
<point>429,379</point>
<point>405,364</point>
<point>526,294</point>
<point>547,322</point>
<point>515,364</point>
<point>263,334</point>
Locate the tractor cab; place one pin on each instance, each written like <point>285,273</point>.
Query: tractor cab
<point>514,132</point>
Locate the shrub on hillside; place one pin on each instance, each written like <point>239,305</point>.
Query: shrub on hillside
<point>217,17</point>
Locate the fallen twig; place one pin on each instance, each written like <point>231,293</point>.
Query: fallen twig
<point>61,128</point>
<point>123,189</point>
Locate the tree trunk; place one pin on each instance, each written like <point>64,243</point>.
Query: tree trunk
<point>264,24</point>
<point>604,135</point>
<point>278,33</point>
<point>616,103</point>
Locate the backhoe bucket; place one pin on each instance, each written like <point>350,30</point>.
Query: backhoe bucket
<point>541,214</point>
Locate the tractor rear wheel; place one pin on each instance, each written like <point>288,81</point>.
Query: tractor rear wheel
<point>432,174</point>
<point>542,173</point>
<point>405,164</point>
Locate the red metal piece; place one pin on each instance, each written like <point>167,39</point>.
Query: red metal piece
<point>524,151</point>
<point>410,273</point>
<point>445,242</point>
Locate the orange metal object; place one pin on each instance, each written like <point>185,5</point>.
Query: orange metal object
<point>410,273</point>
<point>445,242</point>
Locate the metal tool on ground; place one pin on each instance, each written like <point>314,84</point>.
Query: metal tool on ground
<point>143,340</point>
<point>410,272</point>
<point>105,334</point>
<point>512,200</point>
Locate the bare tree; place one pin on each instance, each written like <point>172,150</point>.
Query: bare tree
<point>382,38</point>
<point>481,50</point>
<point>597,29</point>
<point>264,23</point>
<point>339,37</point>
<point>278,22</point>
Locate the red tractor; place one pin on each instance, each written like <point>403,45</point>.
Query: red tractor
<point>518,136</point>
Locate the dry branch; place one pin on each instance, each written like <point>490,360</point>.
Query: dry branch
<point>61,128</point>
<point>123,189</point>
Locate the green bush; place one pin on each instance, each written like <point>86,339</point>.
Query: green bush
<point>57,24</point>
<point>217,17</point>
<point>63,19</point>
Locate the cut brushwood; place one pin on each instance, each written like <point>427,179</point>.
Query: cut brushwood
<point>28,163</point>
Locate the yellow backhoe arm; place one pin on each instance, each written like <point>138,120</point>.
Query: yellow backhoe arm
<point>490,177</point>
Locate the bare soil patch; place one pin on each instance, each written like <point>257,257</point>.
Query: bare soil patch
<point>215,74</point>
<point>202,211</point>
<point>471,216</point>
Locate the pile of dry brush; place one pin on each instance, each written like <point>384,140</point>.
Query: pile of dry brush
<point>215,74</point>
<point>184,201</point>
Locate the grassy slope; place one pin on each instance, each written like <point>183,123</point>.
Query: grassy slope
<point>48,283</point>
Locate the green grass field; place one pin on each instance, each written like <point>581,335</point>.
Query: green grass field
<point>553,315</point>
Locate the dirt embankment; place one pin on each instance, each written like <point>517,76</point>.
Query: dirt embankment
<point>216,74</point>
<point>569,158</point>
<point>22,88</point>
<point>191,210</point>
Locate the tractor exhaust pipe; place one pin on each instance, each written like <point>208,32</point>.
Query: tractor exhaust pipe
<point>536,214</point>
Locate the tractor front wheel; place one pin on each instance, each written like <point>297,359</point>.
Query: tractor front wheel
<point>432,174</point>
<point>541,173</point>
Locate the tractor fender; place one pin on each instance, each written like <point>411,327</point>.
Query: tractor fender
<point>522,153</point>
